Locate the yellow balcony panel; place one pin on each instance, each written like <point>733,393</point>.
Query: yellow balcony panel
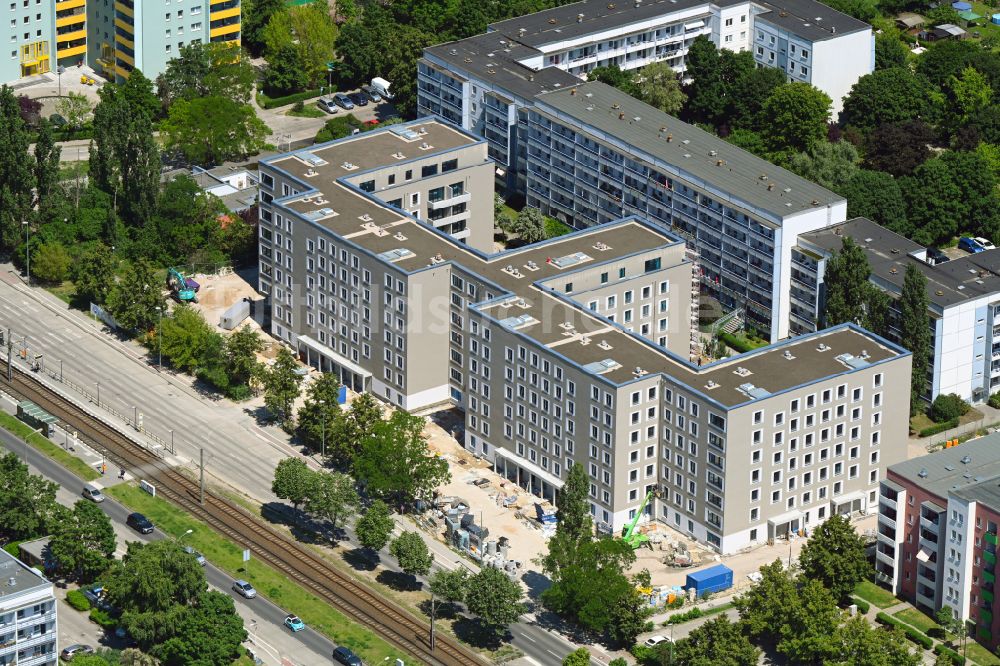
<point>219,2</point>
<point>72,51</point>
<point>126,58</point>
<point>63,5</point>
<point>72,19</point>
<point>125,25</point>
<point>64,37</point>
<point>124,9</point>
<point>224,13</point>
<point>225,30</point>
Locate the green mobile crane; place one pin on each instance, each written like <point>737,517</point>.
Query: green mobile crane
<point>629,535</point>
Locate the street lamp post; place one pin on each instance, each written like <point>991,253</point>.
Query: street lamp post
<point>98,394</point>
<point>433,609</point>
<point>159,339</point>
<point>27,249</point>
<point>322,425</point>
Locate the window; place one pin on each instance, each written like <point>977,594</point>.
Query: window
<point>449,165</point>
<point>428,170</point>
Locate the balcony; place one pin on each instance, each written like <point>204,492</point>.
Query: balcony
<point>885,557</point>
<point>929,524</point>
<point>926,601</point>
<point>989,559</point>
<point>990,538</point>
<point>883,519</point>
<point>989,577</point>
<point>887,502</point>
<point>987,596</point>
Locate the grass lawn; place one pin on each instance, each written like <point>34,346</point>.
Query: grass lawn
<point>43,444</point>
<point>920,421</point>
<point>874,594</point>
<point>917,619</point>
<point>270,583</point>
<point>979,654</point>
<point>65,292</point>
<point>308,111</point>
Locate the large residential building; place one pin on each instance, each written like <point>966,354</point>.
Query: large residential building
<point>572,350</point>
<point>937,533</point>
<point>482,82</point>
<point>963,295</point>
<point>28,632</point>
<point>42,35</point>
<point>147,34</point>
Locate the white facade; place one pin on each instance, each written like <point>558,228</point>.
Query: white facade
<point>28,627</point>
<point>958,537</point>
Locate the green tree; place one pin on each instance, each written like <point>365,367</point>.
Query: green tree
<point>256,15</point>
<point>213,69</point>
<point>50,262</point>
<point>860,644</point>
<point>395,464</point>
<point>829,164</point>
<point>356,424</point>
<point>808,632</point>
<point>877,196</point>
<point>949,623</point>
<point>281,386</point>
<point>750,89</point>
<point>93,273</point>
<point>152,585</point>
<point>835,556</point>
<point>898,148</point>
<point>948,406</point>
<point>762,607</point>
<point>83,543</point>
<point>331,495</point>
<point>718,642</point>
<point>28,506</point>
<point>575,527</point>
<point>750,141</point>
<point>292,481</point>
<point>947,59</point>
<point>893,95</point>
<point>310,31</point>
<point>846,277</point>
<point>412,554</point>
<point>210,631</point>
<point>374,527</point>
<point>613,75</point>
<point>797,115</point>
<point>136,657</point>
<point>971,92</point>
<point>450,586</point>
<point>46,165</point>
<point>529,225</point>
<point>657,85</point>
<point>320,415</point>
<point>16,179</point>
<point>495,599</point>
<point>706,93</point>
<point>285,75</point>
<point>75,108</point>
<point>185,338</point>
<point>140,95</point>
<point>578,657</point>
<point>241,352</point>
<point>890,51</point>
<point>211,130</point>
<point>915,331</point>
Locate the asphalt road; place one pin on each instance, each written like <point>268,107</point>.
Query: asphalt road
<point>265,621</point>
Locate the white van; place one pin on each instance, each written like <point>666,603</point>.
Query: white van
<point>381,86</point>
<point>93,493</point>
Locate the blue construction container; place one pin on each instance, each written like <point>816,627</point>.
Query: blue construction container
<point>710,580</point>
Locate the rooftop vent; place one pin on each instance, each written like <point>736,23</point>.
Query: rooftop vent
<point>639,372</point>
<point>453,51</point>
<point>763,176</point>
<point>348,166</point>
<point>611,5</point>
<point>579,18</point>
<point>742,372</point>
<point>922,473</point>
<point>822,347</point>
<point>788,355</point>
<point>711,385</point>
<point>553,21</point>
<point>966,459</point>
<point>753,391</point>
<point>600,367</point>
<point>713,153</point>
<point>939,292</point>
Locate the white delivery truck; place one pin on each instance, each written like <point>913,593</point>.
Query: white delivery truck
<point>381,86</point>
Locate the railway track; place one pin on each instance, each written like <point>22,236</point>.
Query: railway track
<point>394,624</point>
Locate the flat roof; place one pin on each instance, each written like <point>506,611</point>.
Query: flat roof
<point>493,57</point>
<point>970,470</point>
<point>952,282</point>
<point>521,276</point>
<point>700,156</point>
<point>17,578</point>
<point>590,16</point>
<point>812,20</point>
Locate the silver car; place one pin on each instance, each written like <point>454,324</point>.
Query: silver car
<point>327,105</point>
<point>244,589</point>
<point>198,557</point>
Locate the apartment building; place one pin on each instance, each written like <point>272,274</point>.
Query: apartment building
<point>594,154</point>
<point>28,627</point>
<point>572,350</point>
<point>42,35</point>
<point>937,533</point>
<point>963,295</point>
<point>147,34</point>
<point>481,83</point>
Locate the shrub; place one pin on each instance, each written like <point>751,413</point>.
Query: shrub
<point>266,102</point>
<point>692,614</point>
<point>938,428</point>
<point>994,401</point>
<point>641,653</point>
<point>948,407</point>
<point>77,600</point>
<point>956,658</point>
<point>863,606</point>
<point>912,634</point>
<point>103,619</point>
<point>298,106</point>
<point>13,548</point>
<point>740,343</point>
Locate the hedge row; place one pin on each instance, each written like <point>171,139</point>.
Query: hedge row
<point>741,345</point>
<point>938,428</point>
<point>78,600</point>
<point>911,633</point>
<point>103,619</point>
<point>266,102</point>
<point>956,658</point>
<point>692,614</point>
<point>863,606</point>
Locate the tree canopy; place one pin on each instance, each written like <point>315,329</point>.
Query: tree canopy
<point>83,542</point>
<point>834,555</point>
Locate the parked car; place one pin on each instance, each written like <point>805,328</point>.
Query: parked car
<point>198,557</point>
<point>343,101</point>
<point>359,99</point>
<point>93,493</point>
<point>294,623</point>
<point>244,589</point>
<point>985,243</point>
<point>73,650</point>
<point>139,523</point>
<point>328,105</point>
<point>936,256</point>
<point>653,641</point>
<point>372,94</point>
<point>345,656</point>
<point>970,245</point>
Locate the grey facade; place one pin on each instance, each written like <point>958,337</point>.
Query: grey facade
<point>28,626</point>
